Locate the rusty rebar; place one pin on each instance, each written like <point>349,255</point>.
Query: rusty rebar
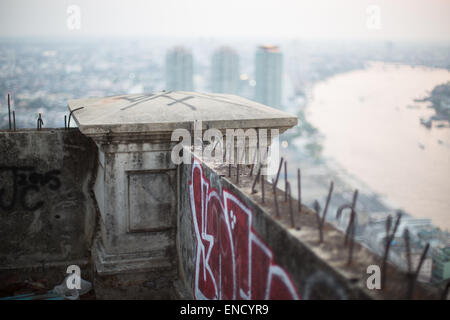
<point>299,191</point>
<point>229,170</point>
<point>422,259</point>
<point>275,198</point>
<point>253,162</point>
<point>40,122</point>
<point>352,214</point>
<point>256,180</point>
<point>14,120</point>
<point>285,181</point>
<point>409,273</point>
<point>9,110</point>
<point>262,188</point>
<point>274,186</point>
<point>237,173</point>
<point>321,219</point>
<point>351,226</point>
<point>278,173</point>
<point>413,276</point>
<point>65,121</point>
<point>389,239</point>
<point>407,249</point>
<point>317,208</point>
<point>214,146</point>
<point>291,213</point>
<point>70,115</point>
<point>351,236</point>
<point>330,192</point>
<point>224,156</point>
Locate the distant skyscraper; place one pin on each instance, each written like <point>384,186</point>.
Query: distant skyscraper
<point>179,70</point>
<point>225,71</point>
<point>268,75</point>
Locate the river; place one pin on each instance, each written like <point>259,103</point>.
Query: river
<point>371,126</point>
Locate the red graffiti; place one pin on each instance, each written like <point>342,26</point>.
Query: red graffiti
<point>232,261</point>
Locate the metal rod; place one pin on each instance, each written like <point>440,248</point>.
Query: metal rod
<point>285,181</point>
<point>352,235</point>
<point>214,146</point>
<point>408,249</point>
<point>386,250</point>
<point>225,154</point>
<point>389,238</point>
<point>352,216</point>
<point>291,213</point>
<point>65,121</point>
<point>317,209</point>
<point>275,198</point>
<point>415,275</point>
<point>278,172</point>
<point>253,163</point>
<point>14,120</point>
<point>262,187</point>
<point>256,180</point>
<point>330,191</point>
<point>422,259</point>
<point>321,220</point>
<point>299,186</point>
<point>70,115</point>
<point>229,170</point>
<point>39,122</point>
<point>237,173</point>
<point>9,110</point>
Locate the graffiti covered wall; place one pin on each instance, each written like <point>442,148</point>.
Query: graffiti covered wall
<point>231,259</point>
<point>230,247</point>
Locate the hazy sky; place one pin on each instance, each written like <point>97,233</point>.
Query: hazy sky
<point>399,19</point>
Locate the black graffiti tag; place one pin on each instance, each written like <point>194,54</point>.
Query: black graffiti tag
<point>25,181</point>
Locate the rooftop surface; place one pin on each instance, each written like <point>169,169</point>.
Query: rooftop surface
<point>166,111</point>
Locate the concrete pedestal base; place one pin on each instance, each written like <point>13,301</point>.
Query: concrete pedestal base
<point>145,275</point>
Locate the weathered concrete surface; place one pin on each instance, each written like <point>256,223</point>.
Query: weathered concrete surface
<point>137,183</point>
<point>47,210</point>
<point>136,193</point>
<point>48,219</point>
<point>217,217</point>
<point>167,111</point>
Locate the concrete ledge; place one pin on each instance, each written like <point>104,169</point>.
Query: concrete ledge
<point>316,271</point>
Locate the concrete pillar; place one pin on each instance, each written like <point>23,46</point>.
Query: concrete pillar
<point>136,182</point>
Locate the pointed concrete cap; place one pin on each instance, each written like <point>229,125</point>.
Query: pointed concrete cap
<point>161,113</point>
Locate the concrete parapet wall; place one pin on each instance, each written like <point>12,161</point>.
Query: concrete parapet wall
<point>233,246</point>
<point>47,213</point>
<point>229,244</point>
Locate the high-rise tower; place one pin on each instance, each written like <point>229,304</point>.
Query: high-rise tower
<point>225,71</point>
<point>179,70</point>
<point>268,75</point>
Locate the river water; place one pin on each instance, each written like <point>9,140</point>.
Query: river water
<point>371,126</point>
